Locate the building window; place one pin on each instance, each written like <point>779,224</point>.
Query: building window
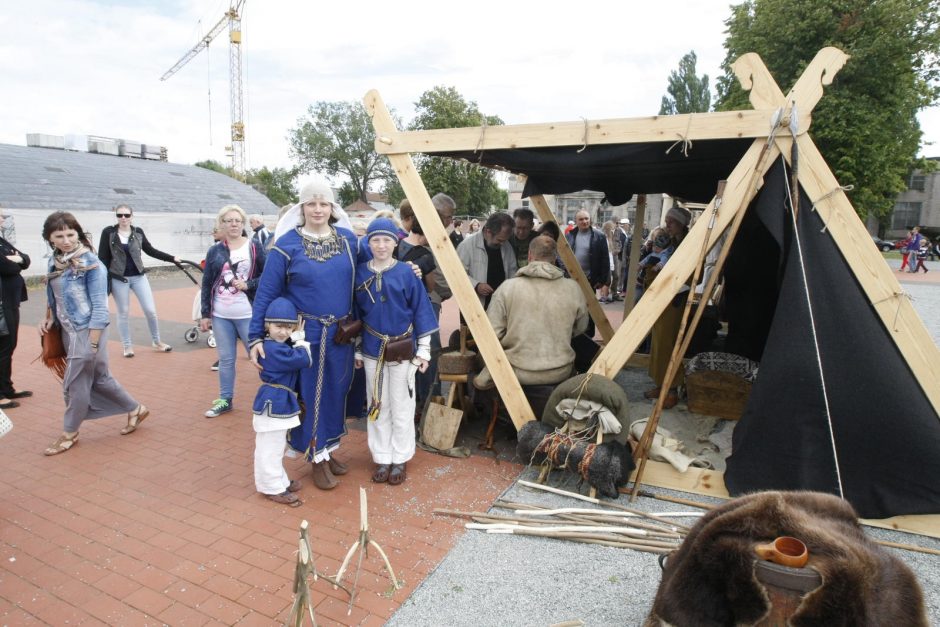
<point>906,215</point>
<point>917,182</point>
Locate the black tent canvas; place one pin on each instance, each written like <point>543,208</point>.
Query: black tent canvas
<point>835,401</point>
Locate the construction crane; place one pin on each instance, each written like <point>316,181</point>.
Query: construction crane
<point>233,18</point>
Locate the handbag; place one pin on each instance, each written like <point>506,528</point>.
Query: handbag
<point>400,350</point>
<point>53,354</point>
<point>347,330</point>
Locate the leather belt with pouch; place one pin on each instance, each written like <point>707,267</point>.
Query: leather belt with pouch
<point>347,330</point>
<point>400,349</point>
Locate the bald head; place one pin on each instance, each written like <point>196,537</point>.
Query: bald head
<point>542,248</point>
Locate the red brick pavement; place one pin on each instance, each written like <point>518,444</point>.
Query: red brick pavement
<point>164,526</point>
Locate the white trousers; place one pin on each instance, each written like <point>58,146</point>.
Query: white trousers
<point>270,476</point>
<point>392,435</point>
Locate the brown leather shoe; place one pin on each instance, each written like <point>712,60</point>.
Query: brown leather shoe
<point>671,399</point>
<point>337,467</point>
<point>652,393</point>
<point>322,477</point>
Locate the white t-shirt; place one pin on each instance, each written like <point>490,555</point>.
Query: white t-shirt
<point>229,302</point>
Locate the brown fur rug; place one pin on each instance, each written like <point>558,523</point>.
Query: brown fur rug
<point>710,581</point>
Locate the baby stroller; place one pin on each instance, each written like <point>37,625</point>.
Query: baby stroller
<point>192,334</point>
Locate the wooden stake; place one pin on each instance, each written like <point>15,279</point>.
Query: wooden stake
<point>362,544</point>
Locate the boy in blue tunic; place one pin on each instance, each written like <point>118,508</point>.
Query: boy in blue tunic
<point>398,321</point>
<point>276,409</point>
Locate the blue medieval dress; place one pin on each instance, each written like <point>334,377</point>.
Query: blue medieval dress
<point>316,274</point>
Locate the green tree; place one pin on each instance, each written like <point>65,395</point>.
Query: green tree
<point>337,138</point>
<point>865,125</point>
<point>276,184</point>
<point>472,187</point>
<point>688,93</point>
<point>215,166</point>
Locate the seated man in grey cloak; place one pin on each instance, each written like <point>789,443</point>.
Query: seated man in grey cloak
<point>535,315</point>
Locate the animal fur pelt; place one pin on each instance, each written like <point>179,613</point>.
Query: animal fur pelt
<point>608,465</point>
<point>710,581</point>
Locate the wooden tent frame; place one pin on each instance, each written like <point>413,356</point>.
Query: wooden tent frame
<point>828,198</point>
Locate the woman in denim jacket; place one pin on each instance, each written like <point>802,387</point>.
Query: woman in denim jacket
<point>77,293</point>
<point>229,281</point>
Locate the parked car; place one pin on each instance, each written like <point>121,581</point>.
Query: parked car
<point>884,245</point>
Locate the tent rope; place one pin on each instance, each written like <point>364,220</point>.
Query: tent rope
<point>897,312</point>
<point>683,139</point>
<point>812,323</point>
<point>584,138</point>
<point>480,141</point>
<point>830,194</point>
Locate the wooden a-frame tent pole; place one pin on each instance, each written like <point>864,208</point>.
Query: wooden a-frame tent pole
<point>835,210</point>
<point>446,256</point>
<point>875,277</point>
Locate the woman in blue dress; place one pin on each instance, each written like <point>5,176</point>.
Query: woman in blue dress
<point>312,263</point>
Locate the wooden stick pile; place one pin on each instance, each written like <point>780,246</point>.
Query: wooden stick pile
<point>610,525</point>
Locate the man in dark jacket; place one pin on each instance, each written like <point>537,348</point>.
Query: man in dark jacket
<point>589,246</point>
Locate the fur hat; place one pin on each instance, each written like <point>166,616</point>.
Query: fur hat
<point>281,310</point>
<point>680,215</point>
<point>382,226</point>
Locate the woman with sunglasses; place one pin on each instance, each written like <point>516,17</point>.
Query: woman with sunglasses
<point>229,281</point>
<point>120,251</point>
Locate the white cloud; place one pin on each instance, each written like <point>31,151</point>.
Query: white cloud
<point>87,67</point>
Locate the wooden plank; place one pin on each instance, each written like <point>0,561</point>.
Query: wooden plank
<point>659,128</point>
<point>446,256</point>
<point>659,295</point>
<point>712,483</point>
<point>629,286</point>
<point>574,269</point>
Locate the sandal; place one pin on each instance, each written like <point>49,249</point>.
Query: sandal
<point>397,475</point>
<point>285,498</point>
<point>294,486</point>
<point>63,443</point>
<point>135,418</point>
<point>381,473</point>
<point>161,347</point>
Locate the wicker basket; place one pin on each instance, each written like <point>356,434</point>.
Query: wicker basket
<point>455,363</point>
<point>716,393</point>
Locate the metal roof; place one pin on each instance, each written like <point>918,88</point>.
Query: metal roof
<point>44,178</point>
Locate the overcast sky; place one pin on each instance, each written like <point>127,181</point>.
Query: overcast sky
<point>93,67</point>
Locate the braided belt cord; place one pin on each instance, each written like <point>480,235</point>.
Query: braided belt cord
<point>325,323</point>
<point>376,404</point>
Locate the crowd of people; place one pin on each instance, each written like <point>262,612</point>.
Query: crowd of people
<point>337,324</point>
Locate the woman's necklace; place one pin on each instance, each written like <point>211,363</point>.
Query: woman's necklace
<point>320,246</point>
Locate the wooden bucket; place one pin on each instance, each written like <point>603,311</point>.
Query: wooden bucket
<point>786,588</point>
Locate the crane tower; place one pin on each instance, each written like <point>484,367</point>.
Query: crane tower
<point>232,17</point>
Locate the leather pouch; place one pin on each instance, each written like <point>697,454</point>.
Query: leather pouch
<point>347,330</point>
<point>400,350</point>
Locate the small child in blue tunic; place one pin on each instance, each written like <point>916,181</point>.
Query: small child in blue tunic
<point>276,409</point>
<point>396,312</point>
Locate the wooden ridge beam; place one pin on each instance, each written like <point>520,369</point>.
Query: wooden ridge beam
<point>446,256</point>
<point>659,128</point>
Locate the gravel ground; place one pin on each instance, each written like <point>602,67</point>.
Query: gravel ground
<point>490,579</point>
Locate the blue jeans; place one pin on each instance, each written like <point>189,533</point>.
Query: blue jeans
<point>122,298</point>
<point>227,332</point>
